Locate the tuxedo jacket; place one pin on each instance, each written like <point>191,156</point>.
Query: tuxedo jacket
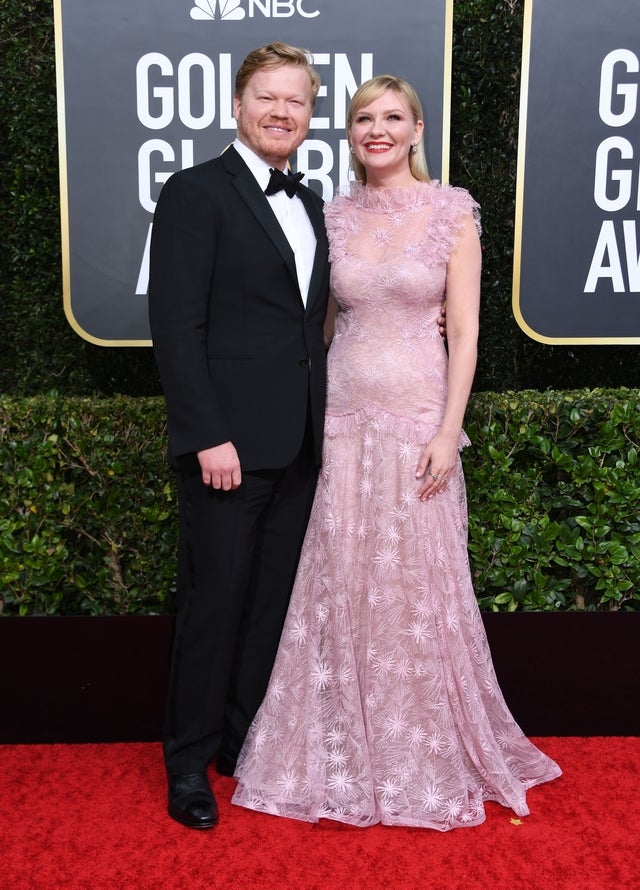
<point>240,357</point>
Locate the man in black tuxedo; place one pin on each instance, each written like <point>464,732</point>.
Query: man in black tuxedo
<point>237,299</point>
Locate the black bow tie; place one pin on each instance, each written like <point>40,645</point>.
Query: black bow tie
<point>290,182</point>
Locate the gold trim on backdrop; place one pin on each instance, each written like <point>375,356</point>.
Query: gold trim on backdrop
<point>64,194</point>
<point>446,92</point>
<point>520,177</point>
<point>522,143</point>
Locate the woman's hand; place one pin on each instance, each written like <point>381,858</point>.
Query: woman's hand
<point>436,464</point>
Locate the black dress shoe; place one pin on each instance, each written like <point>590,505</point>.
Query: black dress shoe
<point>225,764</point>
<point>191,801</point>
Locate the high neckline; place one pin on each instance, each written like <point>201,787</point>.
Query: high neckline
<point>391,197</point>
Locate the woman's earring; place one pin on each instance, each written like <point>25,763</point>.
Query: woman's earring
<point>414,149</point>
<point>351,149</point>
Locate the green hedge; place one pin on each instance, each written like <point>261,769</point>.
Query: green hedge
<point>89,515</point>
<point>554,499</point>
<point>88,507</point>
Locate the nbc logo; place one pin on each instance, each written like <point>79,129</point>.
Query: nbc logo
<point>233,11</point>
<point>227,9</point>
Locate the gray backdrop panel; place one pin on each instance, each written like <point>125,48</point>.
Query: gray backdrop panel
<point>122,142</point>
<point>561,220</point>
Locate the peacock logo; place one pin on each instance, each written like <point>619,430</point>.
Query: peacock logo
<point>205,10</point>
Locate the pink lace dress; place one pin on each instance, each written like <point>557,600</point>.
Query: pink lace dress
<point>383,705</point>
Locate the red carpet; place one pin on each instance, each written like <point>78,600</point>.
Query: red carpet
<point>93,817</point>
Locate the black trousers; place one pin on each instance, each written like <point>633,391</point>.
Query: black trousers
<point>237,558</point>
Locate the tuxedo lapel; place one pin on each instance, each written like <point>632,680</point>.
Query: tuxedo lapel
<point>322,248</point>
<point>245,184</point>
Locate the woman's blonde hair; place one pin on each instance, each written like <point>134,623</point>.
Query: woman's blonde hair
<point>368,93</point>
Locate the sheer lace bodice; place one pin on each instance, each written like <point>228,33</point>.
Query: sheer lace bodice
<point>389,253</point>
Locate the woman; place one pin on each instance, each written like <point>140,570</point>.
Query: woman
<point>383,705</point>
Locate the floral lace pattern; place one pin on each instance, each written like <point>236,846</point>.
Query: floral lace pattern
<point>383,705</point>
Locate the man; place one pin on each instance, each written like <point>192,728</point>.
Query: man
<point>237,296</point>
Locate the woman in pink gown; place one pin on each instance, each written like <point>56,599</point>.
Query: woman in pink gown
<point>383,705</point>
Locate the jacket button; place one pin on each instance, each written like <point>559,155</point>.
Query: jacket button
<point>303,363</point>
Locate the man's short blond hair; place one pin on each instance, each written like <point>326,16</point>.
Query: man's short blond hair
<point>275,55</point>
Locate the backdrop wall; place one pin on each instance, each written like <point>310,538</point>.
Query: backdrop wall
<point>145,89</point>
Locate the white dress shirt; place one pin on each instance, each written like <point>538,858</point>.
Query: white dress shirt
<point>291,215</point>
